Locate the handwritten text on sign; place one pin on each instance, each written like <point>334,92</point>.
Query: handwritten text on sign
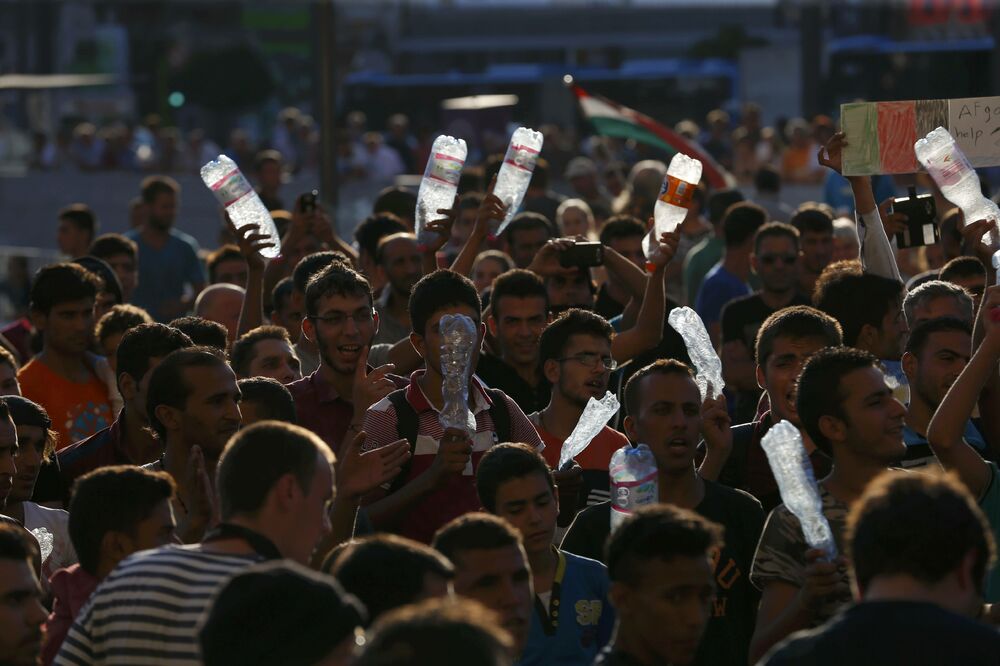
<point>975,124</point>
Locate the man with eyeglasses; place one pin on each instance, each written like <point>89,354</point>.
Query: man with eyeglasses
<point>775,260</point>
<point>341,321</point>
<point>575,358</point>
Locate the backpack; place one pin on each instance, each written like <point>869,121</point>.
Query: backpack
<point>407,424</point>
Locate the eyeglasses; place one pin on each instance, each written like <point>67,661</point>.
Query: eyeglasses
<point>339,319</point>
<point>770,259</point>
<point>592,360</point>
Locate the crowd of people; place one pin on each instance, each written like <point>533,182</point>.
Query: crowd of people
<point>218,459</point>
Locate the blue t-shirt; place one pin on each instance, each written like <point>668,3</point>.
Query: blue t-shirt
<point>164,272</point>
<point>838,194</point>
<point>579,620</point>
<point>720,287</point>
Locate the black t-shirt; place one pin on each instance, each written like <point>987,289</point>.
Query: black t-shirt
<point>742,317</point>
<point>874,633</point>
<point>606,306</point>
<point>497,374</point>
<point>727,637</point>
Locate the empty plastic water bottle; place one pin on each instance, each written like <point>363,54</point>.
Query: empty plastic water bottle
<point>634,481</point>
<point>458,338</point>
<point>515,172</point>
<point>238,197</point>
<point>675,198</point>
<point>950,169</point>
<point>794,473</point>
<point>440,183</point>
<point>706,362</point>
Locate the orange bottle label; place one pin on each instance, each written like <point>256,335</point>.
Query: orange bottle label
<point>677,192</point>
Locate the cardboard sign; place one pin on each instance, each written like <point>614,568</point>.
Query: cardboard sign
<point>880,135</point>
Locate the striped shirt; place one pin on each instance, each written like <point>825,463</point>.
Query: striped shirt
<point>147,610</point>
<point>457,494</point>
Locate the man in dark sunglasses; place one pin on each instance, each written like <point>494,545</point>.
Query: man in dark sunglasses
<point>775,259</point>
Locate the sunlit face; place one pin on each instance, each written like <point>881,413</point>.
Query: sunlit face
<point>668,420</point>
<point>275,359</point>
<point>402,264</point>
<point>343,327</point>
<point>211,413</point>
<point>892,336</point>
<point>68,326</point>
<point>780,372</point>
<point>776,263</point>
<point>518,324</point>
<point>486,271</point>
<point>942,359</point>
<point>30,449</point>
<point>575,223</point>
<point>872,426</point>
<point>582,371</point>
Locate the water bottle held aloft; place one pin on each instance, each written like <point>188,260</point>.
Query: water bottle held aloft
<point>515,172</point>
<point>945,162</point>
<point>238,197</point>
<point>672,204</point>
<point>440,183</point>
<point>634,481</point>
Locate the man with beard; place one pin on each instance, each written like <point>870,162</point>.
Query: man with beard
<point>575,358</point>
<point>168,259</point>
<point>341,321</point>
<point>193,407</point>
<point>61,378</point>
<point>22,613</point>
<point>399,260</point>
<point>666,412</point>
<point>936,353</point>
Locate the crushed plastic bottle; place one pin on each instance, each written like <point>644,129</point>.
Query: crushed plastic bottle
<point>794,474</point>
<point>46,542</point>
<point>515,172</point>
<point>458,339</point>
<point>947,165</point>
<point>707,366</point>
<point>440,183</point>
<point>634,481</point>
<point>672,205</point>
<point>237,196</point>
<point>595,416</point>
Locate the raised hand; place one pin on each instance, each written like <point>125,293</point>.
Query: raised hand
<point>358,473</point>
<point>821,581</point>
<point>453,456</point>
<point>832,154</point>
<point>668,247</point>
<point>569,482</point>
<point>715,423</point>
<point>370,387</point>
<point>491,211</point>
<point>894,223</point>
<point>251,243</point>
<point>442,228</point>
<point>546,262</point>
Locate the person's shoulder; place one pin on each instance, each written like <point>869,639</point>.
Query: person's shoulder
<point>796,648</point>
<point>733,496</point>
<point>301,386</point>
<point>33,368</point>
<point>584,564</point>
<point>612,437</point>
<point>188,240</point>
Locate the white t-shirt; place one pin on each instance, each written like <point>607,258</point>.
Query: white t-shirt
<point>56,522</point>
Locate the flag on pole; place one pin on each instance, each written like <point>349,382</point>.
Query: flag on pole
<point>612,119</point>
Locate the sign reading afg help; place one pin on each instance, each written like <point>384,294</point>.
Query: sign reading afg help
<point>880,135</point>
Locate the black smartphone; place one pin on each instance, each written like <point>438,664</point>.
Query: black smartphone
<point>309,202</point>
<point>921,228</point>
<point>582,254</point>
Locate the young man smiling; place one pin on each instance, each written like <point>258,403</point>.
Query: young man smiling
<point>572,619</point>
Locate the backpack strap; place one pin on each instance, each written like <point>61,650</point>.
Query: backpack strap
<point>500,414</point>
<point>406,428</point>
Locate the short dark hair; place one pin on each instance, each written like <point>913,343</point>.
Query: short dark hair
<point>838,296</point>
<point>663,366</point>
<point>922,332</point>
<point>82,216</point>
<point>552,343</point>
<point>375,227</point>
<point>14,544</point>
<point>98,506</point>
<point>25,412</point>
<point>153,186</point>
<point>926,292</point>
<point>386,571</point>
<point>385,240</point>
<point>310,265</point>
<point>203,332</point>
<point>796,322</point>
<point>720,201</point>
<point>960,267</point>
<point>505,462</point>
<point>658,532</point>
<point>399,201</point>
<point>444,632</point>
<point>813,217</point>
<point>227,252</point>
<point>517,283</point>
<point>767,179</point>
<point>106,246</point>
<point>775,230</point>
<point>529,221</point>
<point>281,293</point>
<point>257,456</point>
<point>741,222</point>
<point>105,274</point>
<point>167,384</point>
<point>818,391</point>
<point>243,354</point>
<point>274,399</point>
<point>440,290</point>
<point>277,612</point>
<point>621,226</point>
<point>336,279</point>
<point>474,531</point>
<point>145,342</point>
<point>471,200</point>
<point>62,283</point>
<point>119,319</point>
<point>919,525</point>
